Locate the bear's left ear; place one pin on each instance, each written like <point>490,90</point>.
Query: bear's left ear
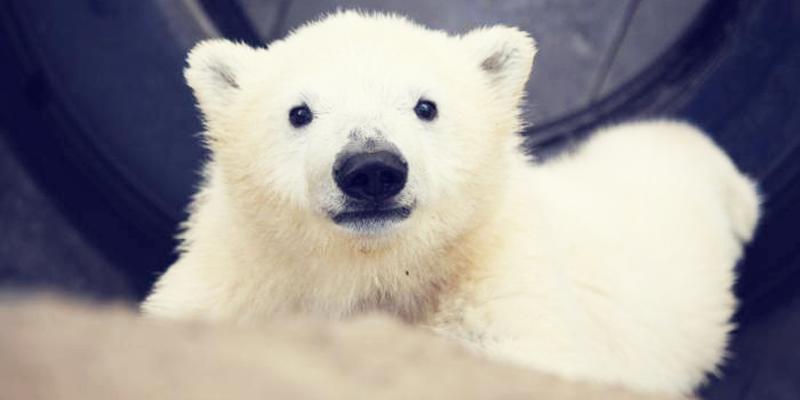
<point>505,54</point>
<point>215,71</point>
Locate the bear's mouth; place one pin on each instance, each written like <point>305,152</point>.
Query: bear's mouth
<point>369,219</point>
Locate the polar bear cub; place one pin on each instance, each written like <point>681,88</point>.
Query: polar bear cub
<point>366,163</point>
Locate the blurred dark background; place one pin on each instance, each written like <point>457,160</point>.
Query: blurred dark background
<point>99,149</point>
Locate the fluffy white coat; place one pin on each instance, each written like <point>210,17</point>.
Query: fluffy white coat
<point>611,264</point>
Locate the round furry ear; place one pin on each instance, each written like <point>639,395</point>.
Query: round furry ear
<point>214,72</point>
<point>505,54</point>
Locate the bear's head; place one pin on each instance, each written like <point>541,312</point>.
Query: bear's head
<point>364,129</point>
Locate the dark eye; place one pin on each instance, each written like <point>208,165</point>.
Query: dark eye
<point>425,110</point>
<point>300,116</point>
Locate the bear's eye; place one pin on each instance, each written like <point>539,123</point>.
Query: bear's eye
<point>425,110</point>
<point>300,116</point>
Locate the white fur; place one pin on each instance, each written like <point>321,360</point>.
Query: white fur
<point>611,264</point>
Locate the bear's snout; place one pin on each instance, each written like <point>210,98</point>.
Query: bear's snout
<point>371,176</point>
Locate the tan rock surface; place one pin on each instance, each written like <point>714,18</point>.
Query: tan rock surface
<point>55,349</point>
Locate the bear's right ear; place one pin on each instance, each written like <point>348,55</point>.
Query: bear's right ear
<point>214,72</point>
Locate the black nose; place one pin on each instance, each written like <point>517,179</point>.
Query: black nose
<point>371,176</point>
